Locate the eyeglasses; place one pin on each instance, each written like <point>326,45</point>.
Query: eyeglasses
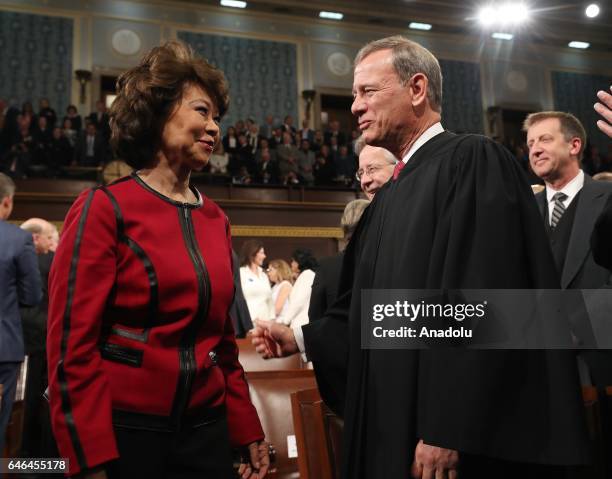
<point>369,170</point>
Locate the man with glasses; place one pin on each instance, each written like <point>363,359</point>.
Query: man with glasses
<point>375,167</point>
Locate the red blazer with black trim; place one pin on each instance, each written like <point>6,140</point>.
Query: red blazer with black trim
<point>139,294</point>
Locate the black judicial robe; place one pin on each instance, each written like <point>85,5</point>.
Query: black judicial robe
<point>460,215</point>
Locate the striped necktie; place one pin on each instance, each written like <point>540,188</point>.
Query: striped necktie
<point>398,167</point>
<point>558,209</point>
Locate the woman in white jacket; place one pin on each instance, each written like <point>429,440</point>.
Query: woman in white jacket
<point>303,264</point>
<point>254,281</point>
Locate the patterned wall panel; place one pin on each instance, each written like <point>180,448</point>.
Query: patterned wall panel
<point>461,99</point>
<point>262,75</point>
<point>576,93</point>
<point>36,59</point>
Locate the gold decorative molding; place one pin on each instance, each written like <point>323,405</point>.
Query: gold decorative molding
<point>287,231</point>
<point>262,231</point>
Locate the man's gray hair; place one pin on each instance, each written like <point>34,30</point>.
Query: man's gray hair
<point>36,226</point>
<point>410,58</point>
<point>7,186</point>
<point>360,144</point>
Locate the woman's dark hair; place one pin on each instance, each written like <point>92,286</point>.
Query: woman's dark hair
<point>148,93</point>
<point>249,251</point>
<point>305,259</point>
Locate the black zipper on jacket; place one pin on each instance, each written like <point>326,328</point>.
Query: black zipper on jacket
<point>187,361</point>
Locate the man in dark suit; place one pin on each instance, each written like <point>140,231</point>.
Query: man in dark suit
<point>34,323</point>
<point>91,148</point>
<point>20,285</point>
<point>570,205</point>
<point>100,119</point>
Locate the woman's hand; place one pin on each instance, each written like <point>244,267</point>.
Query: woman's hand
<point>259,461</point>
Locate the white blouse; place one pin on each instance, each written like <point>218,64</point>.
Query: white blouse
<point>275,292</point>
<point>299,300</point>
<point>257,293</point>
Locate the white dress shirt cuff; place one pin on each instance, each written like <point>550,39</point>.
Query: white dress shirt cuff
<point>299,339</point>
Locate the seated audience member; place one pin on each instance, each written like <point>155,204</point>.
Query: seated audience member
<point>280,276</point>
<point>318,141</point>
<point>305,133</point>
<point>240,127</point>
<point>375,167</point>
<point>91,148</point>
<point>230,141</point>
<point>287,156</point>
<point>266,167</point>
<point>72,114</point>
<point>60,151</point>
<point>243,157</point>
<point>345,166</point>
<point>48,112</point>
<point>253,137</point>
<point>219,160</point>
<point>324,169</point>
<point>254,281</point>
<point>28,117</point>
<point>70,132</point>
<point>100,119</point>
<point>303,266</point>
<point>17,161</point>
<point>277,138</point>
<point>242,177</point>
<point>334,132</point>
<point>306,161</point>
<point>268,127</point>
<point>287,127</point>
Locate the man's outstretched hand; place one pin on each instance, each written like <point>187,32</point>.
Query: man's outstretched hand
<point>273,340</point>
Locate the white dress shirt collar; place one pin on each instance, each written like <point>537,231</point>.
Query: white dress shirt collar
<point>571,189</point>
<point>427,135</point>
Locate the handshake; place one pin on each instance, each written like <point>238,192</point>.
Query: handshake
<point>273,340</point>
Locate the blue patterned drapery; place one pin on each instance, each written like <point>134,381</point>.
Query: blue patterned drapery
<point>262,75</point>
<point>576,94</point>
<point>36,59</point>
<point>461,100</point>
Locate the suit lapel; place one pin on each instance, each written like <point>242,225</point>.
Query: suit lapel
<point>590,204</point>
<point>541,200</point>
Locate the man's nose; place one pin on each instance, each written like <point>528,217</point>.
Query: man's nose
<point>357,106</point>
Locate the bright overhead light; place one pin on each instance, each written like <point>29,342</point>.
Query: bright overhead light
<point>502,36</point>
<point>233,3</point>
<point>509,13</point>
<point>331,15</point>
<point>592,10</point>
<point>419,26</point>
<point>513,13</point>
<point>581,45</point>
<point>487,16</point>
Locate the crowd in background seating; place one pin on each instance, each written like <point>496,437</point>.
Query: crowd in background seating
<point>274,152</point>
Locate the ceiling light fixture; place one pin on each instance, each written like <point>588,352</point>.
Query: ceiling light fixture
<point>502,36</point>
<point>580,45</point>
<point>331,15</point>
<point>419,26</point>
<point>233,3</point>
<point>592,10</point>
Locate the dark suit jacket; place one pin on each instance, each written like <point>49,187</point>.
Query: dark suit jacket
<point>325,286</point>
<point>100,150</point>
<point>34,318</point>
<point>581,272</point>
<point>19,285</point>
<point>601,241</point>
<point>239,311</point>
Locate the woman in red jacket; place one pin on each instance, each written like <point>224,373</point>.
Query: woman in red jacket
<point>143,367</point>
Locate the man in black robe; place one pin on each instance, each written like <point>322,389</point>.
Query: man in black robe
<point>460,214</point>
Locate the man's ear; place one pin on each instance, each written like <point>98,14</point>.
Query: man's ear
<point>575,146</point>
<point>418,87</point>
